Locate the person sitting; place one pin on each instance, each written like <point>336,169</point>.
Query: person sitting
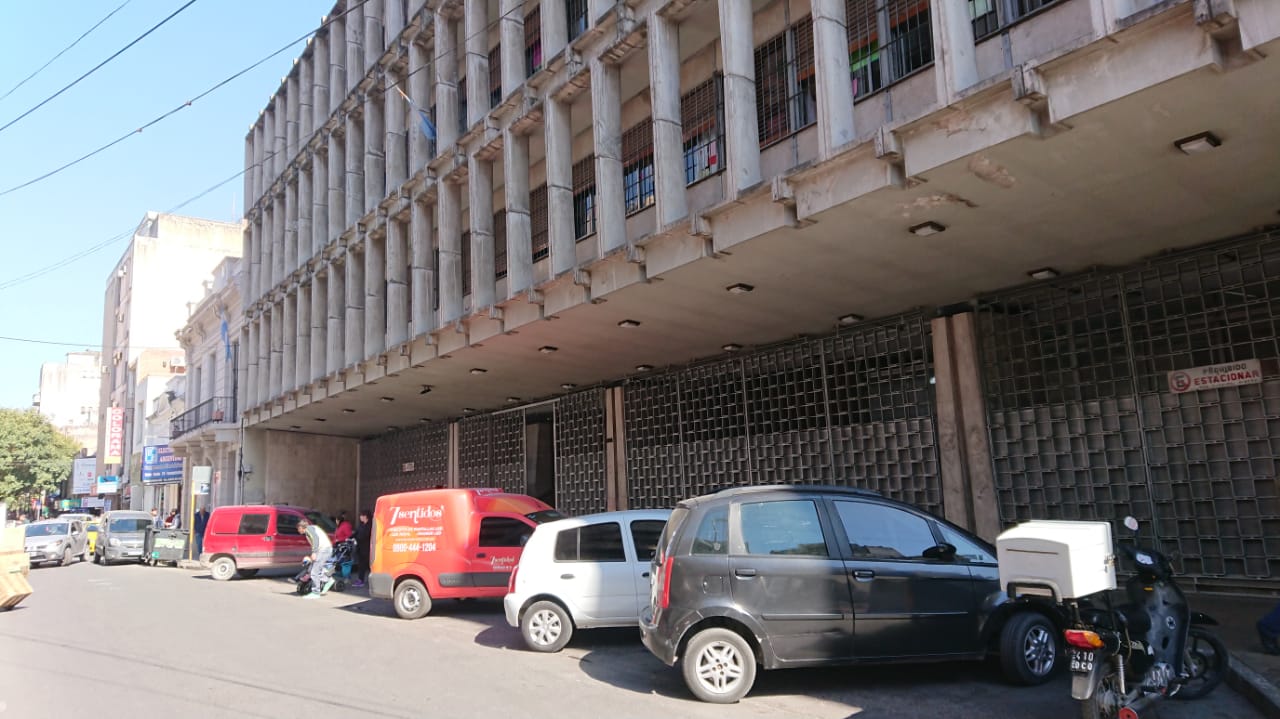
<point>344,530</point>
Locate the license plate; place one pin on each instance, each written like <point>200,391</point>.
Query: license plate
<point>133,554</point>
<point>1082,660</point>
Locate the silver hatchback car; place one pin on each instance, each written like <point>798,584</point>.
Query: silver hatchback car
<point>121,534</point>
<point>56,541</point>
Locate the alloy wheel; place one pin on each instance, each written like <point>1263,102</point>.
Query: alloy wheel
<point>719,667</point>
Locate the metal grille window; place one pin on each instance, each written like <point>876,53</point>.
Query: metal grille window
<point>500,244</point>
<point>533,41</point>
<point>431,112</point>
<point>538,222</point>
<point>404,461</point>
<point>462,105</point>
<point>580,452</point>
<point>786,95</point>
<point>991,15</point>
<point>584,197</point>
<point>576,13</point>
<point>702,117</point>
<point>888,40</point>
<point>466,263</point>
<point>495,76</point>
<point>637,166</point>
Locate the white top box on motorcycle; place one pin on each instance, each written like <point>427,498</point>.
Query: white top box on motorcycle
<point>1061,559</point>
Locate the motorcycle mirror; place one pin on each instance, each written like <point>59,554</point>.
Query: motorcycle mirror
<point>1131,523</point>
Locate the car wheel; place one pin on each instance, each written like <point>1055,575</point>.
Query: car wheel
<point>719,666</point>
<point>223,568</point>
<point>1028,649</point>
<point>66,557</point>
<point>97,558</point>
<point>546,627</point>
<point>411,599</point>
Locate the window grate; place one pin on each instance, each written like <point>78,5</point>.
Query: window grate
<point>500,244</point>
<point>538,222</point>
<point>989,16</point>
<point>576,14</point>
<point>533,41</point>
<point>637,166</point>
<point>584,197</point>
<point>874,62</point>
<point>466,263</point>
<point>702,117</point>
<point>495,76</point>
<point>786,94</point>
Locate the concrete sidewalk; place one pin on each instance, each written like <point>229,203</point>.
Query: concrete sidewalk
<point>1254,673</point>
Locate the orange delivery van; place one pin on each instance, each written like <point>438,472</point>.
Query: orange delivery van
<point>448,544</point>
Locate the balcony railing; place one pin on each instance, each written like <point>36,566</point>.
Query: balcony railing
<point>218,409</point>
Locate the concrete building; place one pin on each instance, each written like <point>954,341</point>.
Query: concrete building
<point>146,302</point>
<point>207,433</point>
<point>1001,260</point>
<point>68,397</point>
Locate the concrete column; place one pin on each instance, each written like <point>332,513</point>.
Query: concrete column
<point>742,128</point>
<point>248,175</point>
<point>264,278</point>
<point>375,295</point>
<point>606,111</point>
<point>396,159</point>
<point>354,34</point>
<point>280,146</point>
<point>319,325</point>
<point>668,135</point>
<point>374,43</point>
<point>511,36</point>
<point>480,199</point>
<point>319,201</point>
<point>393,20</point>
<point>305,203</point>
<point>336,300</point>
<point>335,164</point>
<point>957,58</point>
<point>449,222</point>
<point>278,215</point>
<point>276,360</point>
<point>559,166</point>
<point>292,108</point>
<point>419,89</point>
<point>269,172</point>
<point>290,227</point>
<point>375,157</point>
<point>397,283</point>
<point>288,341</point>
<point>255,261</point>
<point>337,51</point>
<point>555,28</point>
<point>264,356</point>
<point>251,366</point>
<point>446,59</point>
<point>320,88</point>
<point>306,97</point>
<point>515,166</point>
<point>422,273</point>
<point>355,171</point>
<point>477,38</point>
<point>831,64</point>
<point>354,349</point>
<point>259,155</point>
<point>302,348</point>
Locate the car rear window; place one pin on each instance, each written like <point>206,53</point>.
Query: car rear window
<point>644,535</point>
<point>503,532</point>
<point>286,523</point>
<point>713,532</point>
<point>254,523</point>
<point>600,542</point>
<point>788,527</point>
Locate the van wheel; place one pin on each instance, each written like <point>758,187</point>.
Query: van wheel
<point>719,666</point>
<point>66,557</point>
<point>97,558</point>
<point>223,568</point>
<point>411,600</point>
<point>1028,649</point>
<point>546,627</point>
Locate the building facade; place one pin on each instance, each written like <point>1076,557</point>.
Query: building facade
<point>976,256</point>
<point>68,397</point>
<point>147,300</point>
<point>207,433</point>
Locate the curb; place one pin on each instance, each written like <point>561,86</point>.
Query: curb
<point>1260,692</point>
<point>190,564</point>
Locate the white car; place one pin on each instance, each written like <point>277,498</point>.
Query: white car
<point>583,572</point>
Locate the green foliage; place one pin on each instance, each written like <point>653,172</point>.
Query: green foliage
<point>34,457</point>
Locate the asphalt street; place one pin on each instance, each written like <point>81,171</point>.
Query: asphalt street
<point>130,641</point>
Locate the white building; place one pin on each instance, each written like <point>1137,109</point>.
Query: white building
<point>68,397</point>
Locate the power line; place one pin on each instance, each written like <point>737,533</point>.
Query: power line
<point>95,68</point>
<point>28,340</point>
<point>64,50</point>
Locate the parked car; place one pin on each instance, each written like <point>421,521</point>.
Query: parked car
<point>582,573</point>
<point>792,576</point>
<point>121,534</point>
<point>449,544</point>
<point>240,540</point>
<point>54,541</point>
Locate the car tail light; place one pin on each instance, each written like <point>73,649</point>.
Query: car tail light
<point>1083,639</point>
<point>511,583</point>
<point>664,600</point>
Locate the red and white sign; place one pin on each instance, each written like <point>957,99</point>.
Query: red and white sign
<point>1232,374</point>
<point>115,436</point>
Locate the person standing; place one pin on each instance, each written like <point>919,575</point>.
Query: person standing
<point>364,535</point>
<point>198,523</point>
<point>156,521</point>
<point>321,551</point>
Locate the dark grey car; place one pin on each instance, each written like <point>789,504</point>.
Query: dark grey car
<point>121,535</point>
<point>794,576</point>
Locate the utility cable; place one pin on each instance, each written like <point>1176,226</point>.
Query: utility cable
<point>95,68</point>
<point>64,50</point>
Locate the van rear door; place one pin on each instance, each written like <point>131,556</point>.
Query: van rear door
<point>495,548</point>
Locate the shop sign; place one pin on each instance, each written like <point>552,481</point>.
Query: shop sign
<point>1231,374</point>
<point>160,465</point>
<point>108,485</point>
<point>83,474</point>
<point>115,436</point>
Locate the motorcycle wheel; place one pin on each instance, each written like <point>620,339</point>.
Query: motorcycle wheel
<point>1107,701</point>
<point>1205,662</point>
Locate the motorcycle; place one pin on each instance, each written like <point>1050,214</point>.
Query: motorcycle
<point>1125,658</point>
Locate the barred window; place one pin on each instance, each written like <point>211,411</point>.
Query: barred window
<point>874,62</point>
<point>495,76</point>
<point>584,197</point>
<point>576,12</point>
<point>462,105</point>
<point>702,118</point>
<point>431,112</point>
<point>500,244</point>
<point>538,221</point>
<point>533,41</point>
<point>637,166</point>
<point>466,263</point>
<point>786,93</point>
<point>991,15</point>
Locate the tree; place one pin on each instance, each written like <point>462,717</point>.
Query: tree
<point>34,456</point>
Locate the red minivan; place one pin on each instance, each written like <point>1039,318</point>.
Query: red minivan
<point>241,539</point>
<point>449,544</point>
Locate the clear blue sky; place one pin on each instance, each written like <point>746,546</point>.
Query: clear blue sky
<point>155,170</point>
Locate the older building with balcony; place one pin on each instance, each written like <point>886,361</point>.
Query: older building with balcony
<point>992,257</point>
